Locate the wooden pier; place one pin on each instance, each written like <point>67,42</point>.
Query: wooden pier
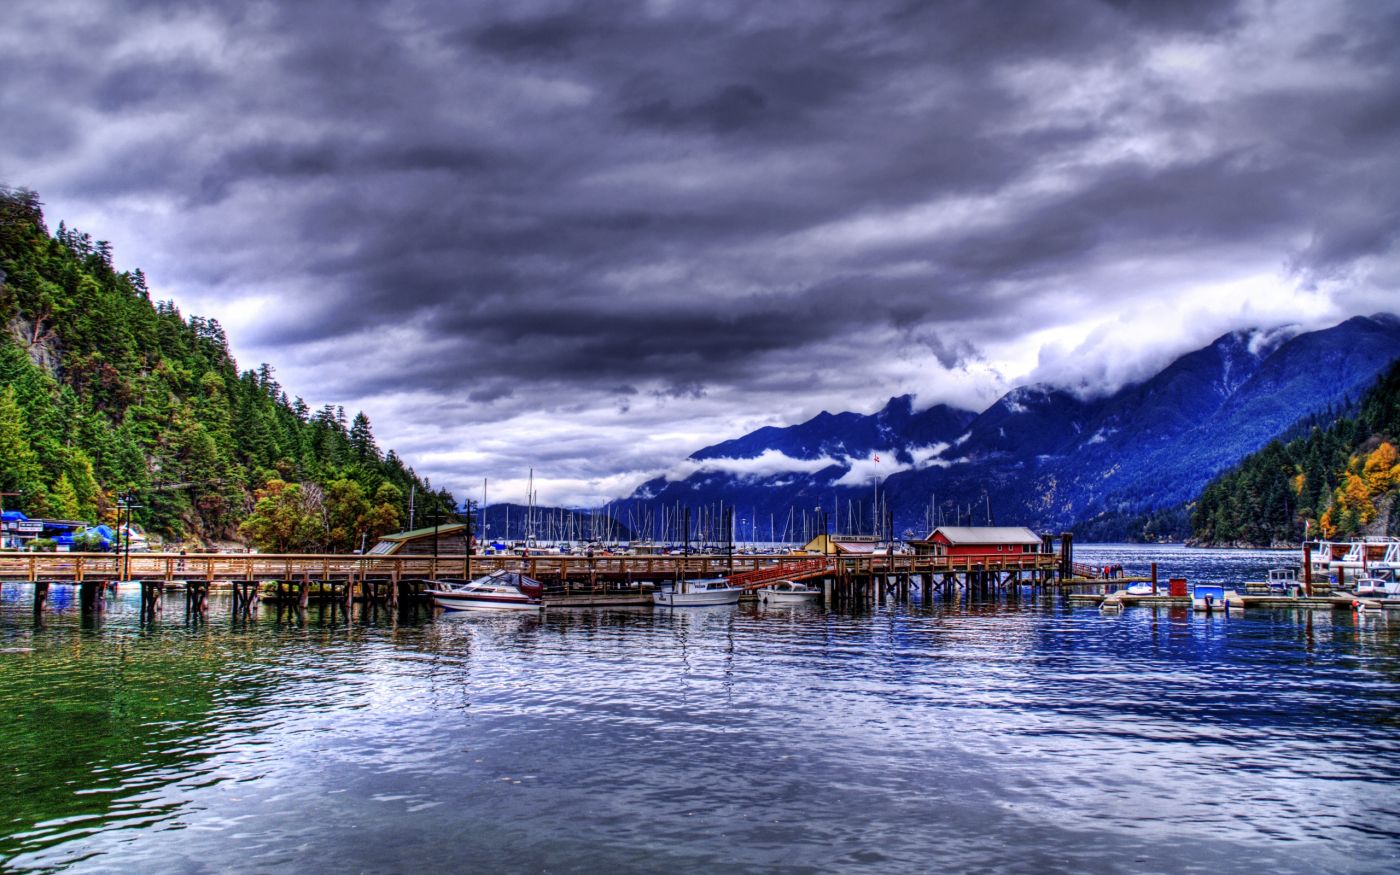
<point>569,580</point>
<point>228,567</point>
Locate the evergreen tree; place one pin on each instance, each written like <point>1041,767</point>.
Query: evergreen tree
<point>362,439</point>
<point>19,465</point>
<point>65,499</point>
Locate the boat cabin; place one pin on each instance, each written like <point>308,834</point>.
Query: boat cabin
<point>979,542</point>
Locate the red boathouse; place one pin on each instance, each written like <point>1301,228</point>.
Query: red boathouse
<point>978,542</point>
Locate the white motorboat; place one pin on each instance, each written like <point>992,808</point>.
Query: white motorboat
<point>785,592</point>
<point>1376,588</point>
<point>707,591</point>
<point>1208,597</point>
<point>1139,589</point>
<point>499,589</point>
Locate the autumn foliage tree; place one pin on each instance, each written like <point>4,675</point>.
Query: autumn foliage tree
<point>284,519</point>
<point>1339,480</point>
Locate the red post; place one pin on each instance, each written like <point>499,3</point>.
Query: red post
<point>1307,570</point>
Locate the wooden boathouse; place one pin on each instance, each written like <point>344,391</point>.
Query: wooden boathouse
<point>980,542</point>
<point>444,540</point>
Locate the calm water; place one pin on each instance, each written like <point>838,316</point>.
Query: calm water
<point>1020,736</point>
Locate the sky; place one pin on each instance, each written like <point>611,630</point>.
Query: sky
<point>592,238</point>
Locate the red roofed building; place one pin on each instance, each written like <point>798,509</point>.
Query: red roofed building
<point>979,542</point>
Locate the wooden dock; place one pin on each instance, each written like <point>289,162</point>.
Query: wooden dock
<point>1236,601</point>
<point>569,581</point>
<point>229,567</point>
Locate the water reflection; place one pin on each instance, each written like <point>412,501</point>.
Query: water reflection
<point>1009,734</point>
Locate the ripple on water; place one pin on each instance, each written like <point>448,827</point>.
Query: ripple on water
<point>1007,736</point>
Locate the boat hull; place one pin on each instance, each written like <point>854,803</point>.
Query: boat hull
<point>693,599</point>
<point>788,598</point>
<point>454,602</point>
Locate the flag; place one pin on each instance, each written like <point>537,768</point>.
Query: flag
<point>877,460</point>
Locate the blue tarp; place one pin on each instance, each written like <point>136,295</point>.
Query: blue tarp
<point>13,516</point>
<point>106,537</point>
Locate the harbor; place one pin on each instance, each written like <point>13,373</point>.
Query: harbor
<point>880,734</point>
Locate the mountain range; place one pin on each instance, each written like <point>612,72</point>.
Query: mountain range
<point>1041,456</point>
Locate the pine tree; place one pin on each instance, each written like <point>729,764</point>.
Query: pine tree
<point>19,465</point>
<point>65,500</point>
<point>362,439</point>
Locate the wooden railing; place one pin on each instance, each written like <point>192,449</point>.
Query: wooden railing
<point>77,567</point>
<point>781,571</point>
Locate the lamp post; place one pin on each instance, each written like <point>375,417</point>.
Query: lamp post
<point>437,520</point>
<point>729,538</point>
<point>125,503</point>
<point>467,566</point>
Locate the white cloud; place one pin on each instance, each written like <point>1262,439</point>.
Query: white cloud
<point>766,464</point>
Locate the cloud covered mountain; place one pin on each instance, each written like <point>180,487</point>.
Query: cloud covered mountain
<point>1042,455</point>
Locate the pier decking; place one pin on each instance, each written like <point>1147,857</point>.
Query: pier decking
<point>226,567</point>
<point>569,581</point>
<point>1236,601</point>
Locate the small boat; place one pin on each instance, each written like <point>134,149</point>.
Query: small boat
<point>1208,597</point>
<point>788,592</point>
<point>499,589</point>
<point>1376,588</point>
<point>707,591</point>
<point>1139,589</point>
<point>1283,581</point>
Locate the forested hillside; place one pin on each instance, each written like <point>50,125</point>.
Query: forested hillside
<point>105,393</point>
<point>1337,481</point>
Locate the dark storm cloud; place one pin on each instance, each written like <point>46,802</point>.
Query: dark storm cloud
<point>132,84</point>
<point>635,204</point>
<point>551,37</point>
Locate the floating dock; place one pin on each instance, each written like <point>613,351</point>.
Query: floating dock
<point>1235,600</point>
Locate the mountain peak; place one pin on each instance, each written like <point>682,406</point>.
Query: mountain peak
<point>898,405</point>
<point>1044,455</point>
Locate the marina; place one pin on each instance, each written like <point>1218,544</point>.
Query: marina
<point>833,576</point>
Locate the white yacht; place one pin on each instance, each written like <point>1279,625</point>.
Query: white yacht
<point>707,591</point>
<point>499,589</point>
<point>784,592</point>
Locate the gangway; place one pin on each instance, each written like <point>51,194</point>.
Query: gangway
<point>751,580</point>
